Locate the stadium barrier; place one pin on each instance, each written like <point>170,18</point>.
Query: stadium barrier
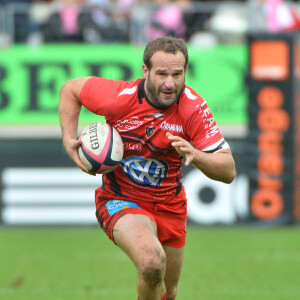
<point>39,186</point>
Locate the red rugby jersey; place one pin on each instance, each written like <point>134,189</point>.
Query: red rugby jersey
<point>151,167</point>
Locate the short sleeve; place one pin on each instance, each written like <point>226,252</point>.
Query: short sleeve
<point>99,94</point>
<point>202,128</point>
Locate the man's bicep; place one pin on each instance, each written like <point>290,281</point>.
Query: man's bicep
<point>77,85</point>
<point>73,87</point>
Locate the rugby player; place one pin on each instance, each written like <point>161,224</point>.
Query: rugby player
<point>142,206</point>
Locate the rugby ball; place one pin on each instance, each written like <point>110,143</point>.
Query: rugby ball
<point>101,148</point>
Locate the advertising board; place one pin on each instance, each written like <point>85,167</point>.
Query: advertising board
<point>273,140</point>
<point>30,78</point>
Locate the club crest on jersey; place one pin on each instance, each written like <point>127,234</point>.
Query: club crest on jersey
<point>147,172</point>
<point>150,130</point>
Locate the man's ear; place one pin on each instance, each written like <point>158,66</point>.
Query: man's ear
<point>145,70</point>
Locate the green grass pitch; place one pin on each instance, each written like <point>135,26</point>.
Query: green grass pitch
<point>81,263</point>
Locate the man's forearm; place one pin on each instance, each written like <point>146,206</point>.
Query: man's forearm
<point>218,166</point>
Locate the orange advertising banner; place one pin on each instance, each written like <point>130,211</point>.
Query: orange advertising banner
<point>272,89</point>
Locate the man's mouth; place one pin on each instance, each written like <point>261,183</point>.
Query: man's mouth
<point>168,93</point>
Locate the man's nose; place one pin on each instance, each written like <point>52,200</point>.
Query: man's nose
<point>169,83</point>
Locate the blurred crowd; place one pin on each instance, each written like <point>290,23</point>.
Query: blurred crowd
<point>137,21</point>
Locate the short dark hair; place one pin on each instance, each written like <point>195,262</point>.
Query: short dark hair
<point>166,44</point>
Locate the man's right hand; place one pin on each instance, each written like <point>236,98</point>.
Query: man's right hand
<point>71,147</point>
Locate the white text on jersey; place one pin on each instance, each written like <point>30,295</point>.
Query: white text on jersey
<point>172,127</point>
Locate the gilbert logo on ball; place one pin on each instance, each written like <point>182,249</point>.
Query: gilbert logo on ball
<point>102,147</point>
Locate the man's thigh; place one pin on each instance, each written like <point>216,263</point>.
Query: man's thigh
<point>169,220</point>
<point>136,235</point>
<point>108,212</point>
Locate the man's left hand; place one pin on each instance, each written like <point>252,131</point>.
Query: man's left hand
<point>183,147</point>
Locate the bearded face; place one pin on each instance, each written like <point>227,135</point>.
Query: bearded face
<point>165,80</point>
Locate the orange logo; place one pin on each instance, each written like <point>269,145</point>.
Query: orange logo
<point>269,60</point>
